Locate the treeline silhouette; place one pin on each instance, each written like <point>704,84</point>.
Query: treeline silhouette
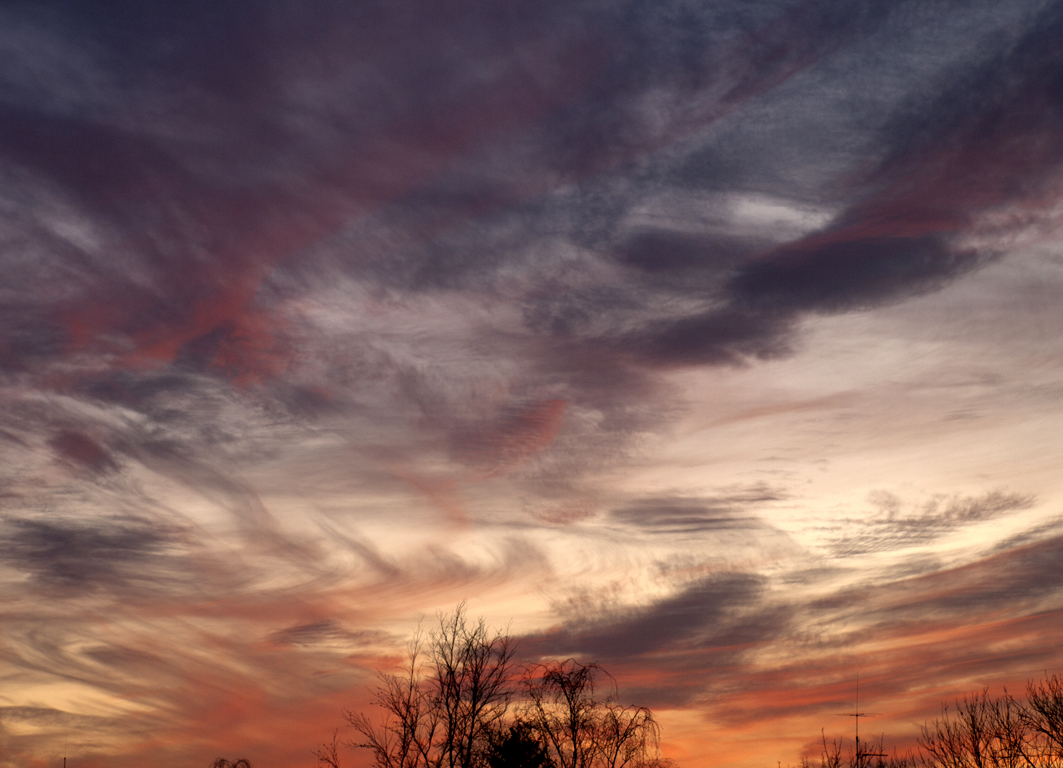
<point>978,731</point>
<point>463,701</point>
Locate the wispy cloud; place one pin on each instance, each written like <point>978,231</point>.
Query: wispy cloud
<point>893,525</point>
<point>319,317</point>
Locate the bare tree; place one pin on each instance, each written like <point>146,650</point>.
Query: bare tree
<point>1001,732</point>
<point>1043,716</point>
<point>450,707</point>
<point>406,730</point>
<point>867,754</point>
<point>582,731</point>
<point>831,756</point>
<point>470,686</point>
<point>980,732</point>
<point>328,755</point>
<point>450,699</point>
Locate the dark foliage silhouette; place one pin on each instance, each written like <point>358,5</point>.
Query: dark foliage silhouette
<point>221,762</point>
<point>519,746</point>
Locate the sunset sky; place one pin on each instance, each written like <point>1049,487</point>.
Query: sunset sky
<point>717,341</point>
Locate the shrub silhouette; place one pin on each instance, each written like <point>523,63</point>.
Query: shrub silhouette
<point>519,747</point>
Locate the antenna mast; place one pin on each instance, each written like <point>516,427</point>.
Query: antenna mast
<point>859,759</point>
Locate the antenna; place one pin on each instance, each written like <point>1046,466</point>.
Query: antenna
<point>859,756</point>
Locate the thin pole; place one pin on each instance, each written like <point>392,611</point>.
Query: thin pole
<point>859,756</point>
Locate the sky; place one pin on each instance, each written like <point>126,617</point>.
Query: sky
<point>716,342</point>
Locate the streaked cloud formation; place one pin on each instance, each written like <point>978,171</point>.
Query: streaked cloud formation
<point>711,341</point>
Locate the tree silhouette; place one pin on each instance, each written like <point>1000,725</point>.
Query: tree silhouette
<point>1002,732</point>
<point>1043,716</point>
<point>582,731</point>
<point>449,702</point>
<point>977,731</point>
<point>450,707</point>
<point>861,755</point>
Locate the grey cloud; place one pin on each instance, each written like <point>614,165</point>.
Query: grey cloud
<point>884,626</point>
<point>328,630</point>
<point>726,336</point>
<point>45,716</point>
<point>698,515</point>
<point>857,274</point>
<point>1022,581</point>
<point>707,627</point>
<point>844,268</point>
<point>897,525</point>
<point>269,156</point>
<point>1013,580</point>
<point>1051,528</point>
<point>222,186</point>
<point>713,612</point>
<point>689,640</point>
<point>308,634</point>
<point>84,556</point>
<point>679,257</point>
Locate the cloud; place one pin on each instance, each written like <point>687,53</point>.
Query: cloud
<point>191,215</point>
<point>849,275</point>
<point>1017,580</point>
<point>901,231</point>
<point>514,440</point>
<point>667,653</point>
<point>205,210</point>
<point>285,282</point>
<point>329,631</point>
<point>894,527</point>
<point>82,449</point>
<point>691,516</point>
<point>910,639</point>
<point>703,614</point>
<point>75,556</point>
